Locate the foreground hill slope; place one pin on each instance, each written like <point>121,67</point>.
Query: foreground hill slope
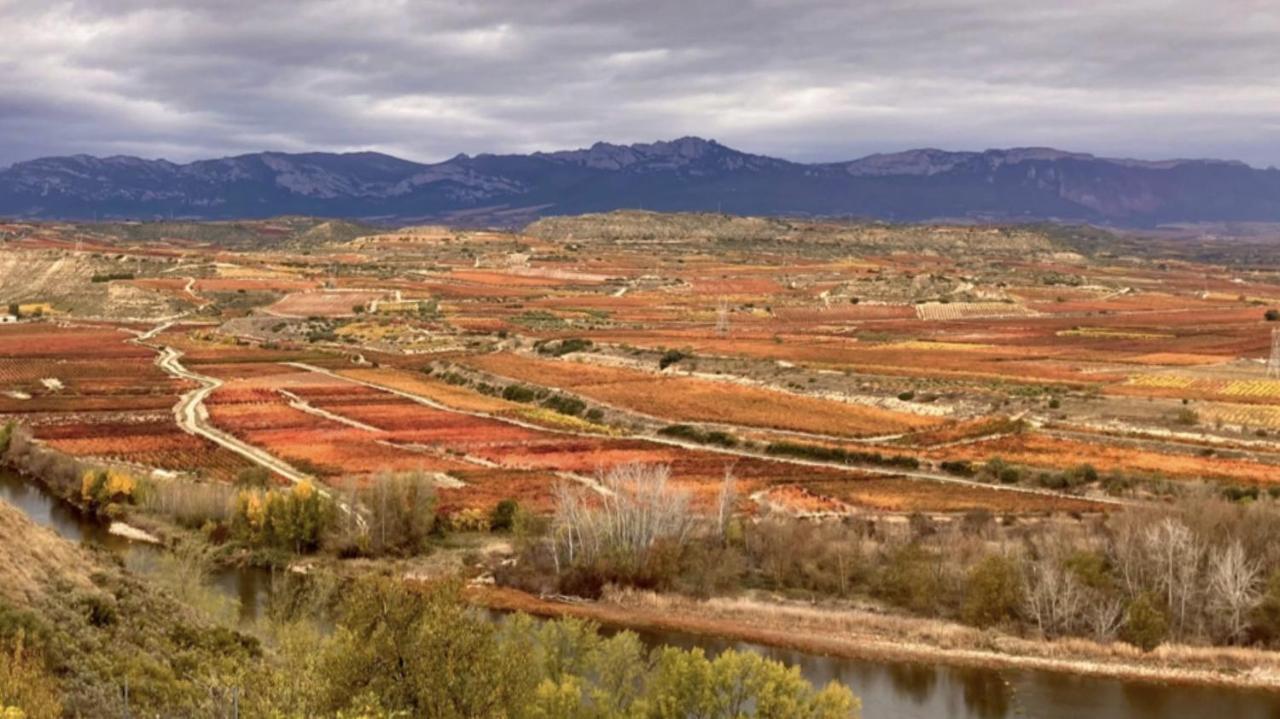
<point>688,174</point>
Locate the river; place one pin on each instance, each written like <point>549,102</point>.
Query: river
<point>888,690</point>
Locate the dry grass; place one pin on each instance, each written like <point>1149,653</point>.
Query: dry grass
<point>33,558</point>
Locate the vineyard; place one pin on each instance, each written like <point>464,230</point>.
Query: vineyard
<point>885,376</point>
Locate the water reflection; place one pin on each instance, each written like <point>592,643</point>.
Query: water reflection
<point>250,586</point>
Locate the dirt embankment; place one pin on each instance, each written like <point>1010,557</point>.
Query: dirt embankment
<point>33,559</point>
<point>65,282</point>
<point>860,634</point>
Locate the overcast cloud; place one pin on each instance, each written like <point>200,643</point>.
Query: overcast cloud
<point>802,80</point>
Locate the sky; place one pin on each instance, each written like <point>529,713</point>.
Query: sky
<point>803,80</point>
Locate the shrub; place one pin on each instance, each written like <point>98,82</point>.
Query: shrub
<point>958,467</point>
<point>564,346</point>
<point>503,516</point>
<point>565,404</point>
<point>255,477</point>
<point>906,396</point>
<point>693,434</point>
<point>27,690</point>
<point>836,454</point>
<point>519,393</point>
<point>1271,315</point>
<point>469,520</point>
<point>670,357</point>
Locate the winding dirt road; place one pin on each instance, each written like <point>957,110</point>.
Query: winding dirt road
<point>192,416</point>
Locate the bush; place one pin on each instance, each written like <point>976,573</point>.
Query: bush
<point>958,467</point>
<point>564,346</point>
<point>693,434</point>
<point>906,396</point>
<point>565,404</point>
<point>519,393</point>
<point>26,687</point>
<point>1271,315</point>
<point>836,454</point>
<point>255,477</point>
<point>503,516</point>
<point>670,357</point>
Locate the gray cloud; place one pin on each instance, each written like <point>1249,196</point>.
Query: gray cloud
<point>807,80</point>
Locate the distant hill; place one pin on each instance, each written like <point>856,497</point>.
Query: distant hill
<point>688,174</point>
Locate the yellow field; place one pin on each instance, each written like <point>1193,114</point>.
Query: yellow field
<point>1242,415</point>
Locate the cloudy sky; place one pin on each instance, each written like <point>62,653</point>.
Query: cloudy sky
<point>805,80</point>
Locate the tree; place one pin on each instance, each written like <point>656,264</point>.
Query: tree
<point>1266,615</point>
<point>1145,626</point>
<point>1053,596</point>
<point>632,508</point>
<point>992,592</point>
<point>15,309</point>
<point>1269,315</point>
<point>1233,591</point>
<point>725,502</point>
<point>1176,555</point>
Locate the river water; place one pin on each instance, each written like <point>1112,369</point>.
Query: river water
<point>888,690</point>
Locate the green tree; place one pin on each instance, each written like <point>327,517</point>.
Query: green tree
<point>1266,617</point>
<point>503,517</point>
<point>992,592</point>
<point>1145,624</point>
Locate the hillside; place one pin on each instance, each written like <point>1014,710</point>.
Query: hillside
<point>688,174</point>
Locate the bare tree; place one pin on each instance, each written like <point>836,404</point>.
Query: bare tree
<point>1053,596</point>
<point>728,498</point>
<point>1176,555</point>
<point>636,509</point>
<point>1103,613</point>
<point>1233,587</point>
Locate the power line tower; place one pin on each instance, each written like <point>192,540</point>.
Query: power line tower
<point>722,318</point>
<point>1273,364</point>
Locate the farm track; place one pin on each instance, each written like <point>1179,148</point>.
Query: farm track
<point>192,416</point>
<point>917,475</point>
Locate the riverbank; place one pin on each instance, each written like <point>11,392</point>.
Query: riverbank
<point>864,635</point>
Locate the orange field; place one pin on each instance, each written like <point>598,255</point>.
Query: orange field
<point>686,399</point>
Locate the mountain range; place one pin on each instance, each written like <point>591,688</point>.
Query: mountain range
<point>1021,184</point>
